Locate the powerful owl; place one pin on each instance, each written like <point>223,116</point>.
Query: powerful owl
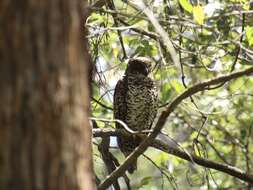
<point>135,103</point>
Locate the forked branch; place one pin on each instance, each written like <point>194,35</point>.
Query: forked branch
<point>163,117</point>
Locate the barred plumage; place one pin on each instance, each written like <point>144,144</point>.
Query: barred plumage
<point>135,103</point>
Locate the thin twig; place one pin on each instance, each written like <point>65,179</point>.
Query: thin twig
<point>115,18</point>
<point>169,178</point>
<point>101,104</point>
<point>239,48</point>
<point>122,123</point>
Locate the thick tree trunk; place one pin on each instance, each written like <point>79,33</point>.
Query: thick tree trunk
<point>45,137</point>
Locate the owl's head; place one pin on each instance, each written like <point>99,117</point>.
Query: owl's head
<point>139,65</point>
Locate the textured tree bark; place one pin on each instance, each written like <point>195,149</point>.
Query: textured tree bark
<point>45,136</point>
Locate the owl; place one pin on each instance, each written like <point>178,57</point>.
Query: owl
<point>135,103</point>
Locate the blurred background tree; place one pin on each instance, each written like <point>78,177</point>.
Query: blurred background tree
<point>211,38</point>
<point>45,136</point>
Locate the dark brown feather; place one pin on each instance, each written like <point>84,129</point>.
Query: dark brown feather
<point>135,103</point>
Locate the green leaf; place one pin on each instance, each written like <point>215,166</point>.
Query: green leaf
<point>249,35</point>
<point>161,159</point>
<point>177,86</point>
<point>165,92</point>
<point>246,7</point>
<point>146,181</point>
<point>198,14</point>
<point>186,5</point>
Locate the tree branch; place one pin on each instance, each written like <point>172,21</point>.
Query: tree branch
<point>162,119</point>
<point>158,144</point>
<point>228,169</point>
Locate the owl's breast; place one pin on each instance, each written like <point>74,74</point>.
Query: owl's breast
<point>141,103</point>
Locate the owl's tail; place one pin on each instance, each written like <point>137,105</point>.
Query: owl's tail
<point>132,167</point>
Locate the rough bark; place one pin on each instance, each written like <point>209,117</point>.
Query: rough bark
<point>45,137</point>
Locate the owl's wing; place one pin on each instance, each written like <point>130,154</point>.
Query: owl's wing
<point>119,103</point>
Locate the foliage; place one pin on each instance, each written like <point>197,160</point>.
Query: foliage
<point>211,38</point>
